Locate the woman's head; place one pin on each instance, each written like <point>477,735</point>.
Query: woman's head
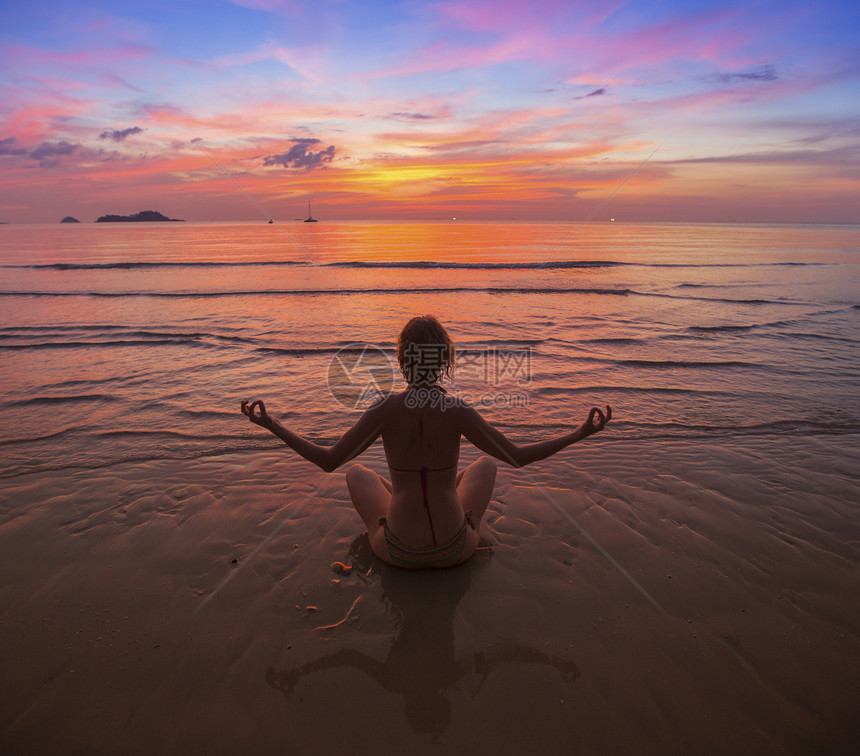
<point>425,351</point>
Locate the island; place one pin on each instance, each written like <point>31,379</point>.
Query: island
<point>69,219</point>
<point>143,215</point>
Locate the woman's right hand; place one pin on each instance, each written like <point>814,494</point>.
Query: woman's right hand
<point>596,421</point>
<point>250,410</point>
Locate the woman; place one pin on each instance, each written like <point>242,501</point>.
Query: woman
<point>428,515</point>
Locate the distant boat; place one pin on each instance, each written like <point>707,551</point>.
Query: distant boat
<point>271,221</point>
<point>310,218</point>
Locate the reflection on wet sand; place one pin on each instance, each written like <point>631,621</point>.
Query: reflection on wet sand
<point>421,662</point>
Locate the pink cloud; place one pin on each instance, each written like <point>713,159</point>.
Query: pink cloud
<point>443,56</point>
<point>307,63</point>
<point>693,39</point>
<point>573,37</point>
<point>502,15</point>
<point>112,78</point>
<point>96,58</point>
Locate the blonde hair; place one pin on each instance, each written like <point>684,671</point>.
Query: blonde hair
<point>425,351</point>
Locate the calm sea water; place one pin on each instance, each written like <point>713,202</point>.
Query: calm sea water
<point>137,341</point>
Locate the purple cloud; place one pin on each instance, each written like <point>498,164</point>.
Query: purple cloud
<point>402,116</point>
<point>762,73</point>
<point>594,93</point>
<point>118,135</point>
<point>300,155</point>
<point>7,147</point>
<point>46,152</point>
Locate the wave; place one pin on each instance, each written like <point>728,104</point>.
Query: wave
<point>82,327</point>
<point>449,265</point>
<point>660,364</point>
<point>13,330</point>
<point>320,292</point>
<point>303,351</point>
<point>399,264</point>
<point>135,434</point>
<point>207,414</point>
<point>724,300</point>
<point>71,399</point>
<point>35,439</point>
<point>823,337</point>
<point>613,340</point>
<point>31,467</point>
<point>670,364</point>
<point>627,430</point>
<point>124,447</point>
<point>796,335</point>
<point>497,345</point>
<point>775,428</point>
<point>160,264</point>
<point>109,343</point>
<point>481,346</point>
<point>46,340</point>
<point>8,334</point>
<point>464,351</point>
<point>627,390</point>
<point>552,264</point>
<point>398,291</point>
<point>723,328</point>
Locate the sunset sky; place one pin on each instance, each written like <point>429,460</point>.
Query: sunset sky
<point>480,109</point>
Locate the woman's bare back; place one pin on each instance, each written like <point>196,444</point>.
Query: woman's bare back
<point>422,446</point>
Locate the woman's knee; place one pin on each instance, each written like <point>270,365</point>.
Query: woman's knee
<point>363,484</point>
<point>357,473</point>
<point>486,461</point>
<point>486,466</point>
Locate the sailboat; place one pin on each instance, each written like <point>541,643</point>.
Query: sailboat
<point>310,218</point>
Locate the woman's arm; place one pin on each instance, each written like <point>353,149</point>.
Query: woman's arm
<point>329,458</point>
<point>492,441</point>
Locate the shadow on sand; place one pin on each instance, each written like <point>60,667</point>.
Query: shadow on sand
<point>421,662</point>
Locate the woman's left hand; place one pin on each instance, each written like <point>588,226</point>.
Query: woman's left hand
<point>596,421</point>
<point>250,410</point>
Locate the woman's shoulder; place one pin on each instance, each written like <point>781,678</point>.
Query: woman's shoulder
<point>386,402</point>
<point>412,398</point>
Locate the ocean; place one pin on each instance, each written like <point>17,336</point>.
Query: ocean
<point>138,341</point>
<point>174,579</point>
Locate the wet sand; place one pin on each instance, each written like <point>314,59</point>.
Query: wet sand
<point>684,597</point>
